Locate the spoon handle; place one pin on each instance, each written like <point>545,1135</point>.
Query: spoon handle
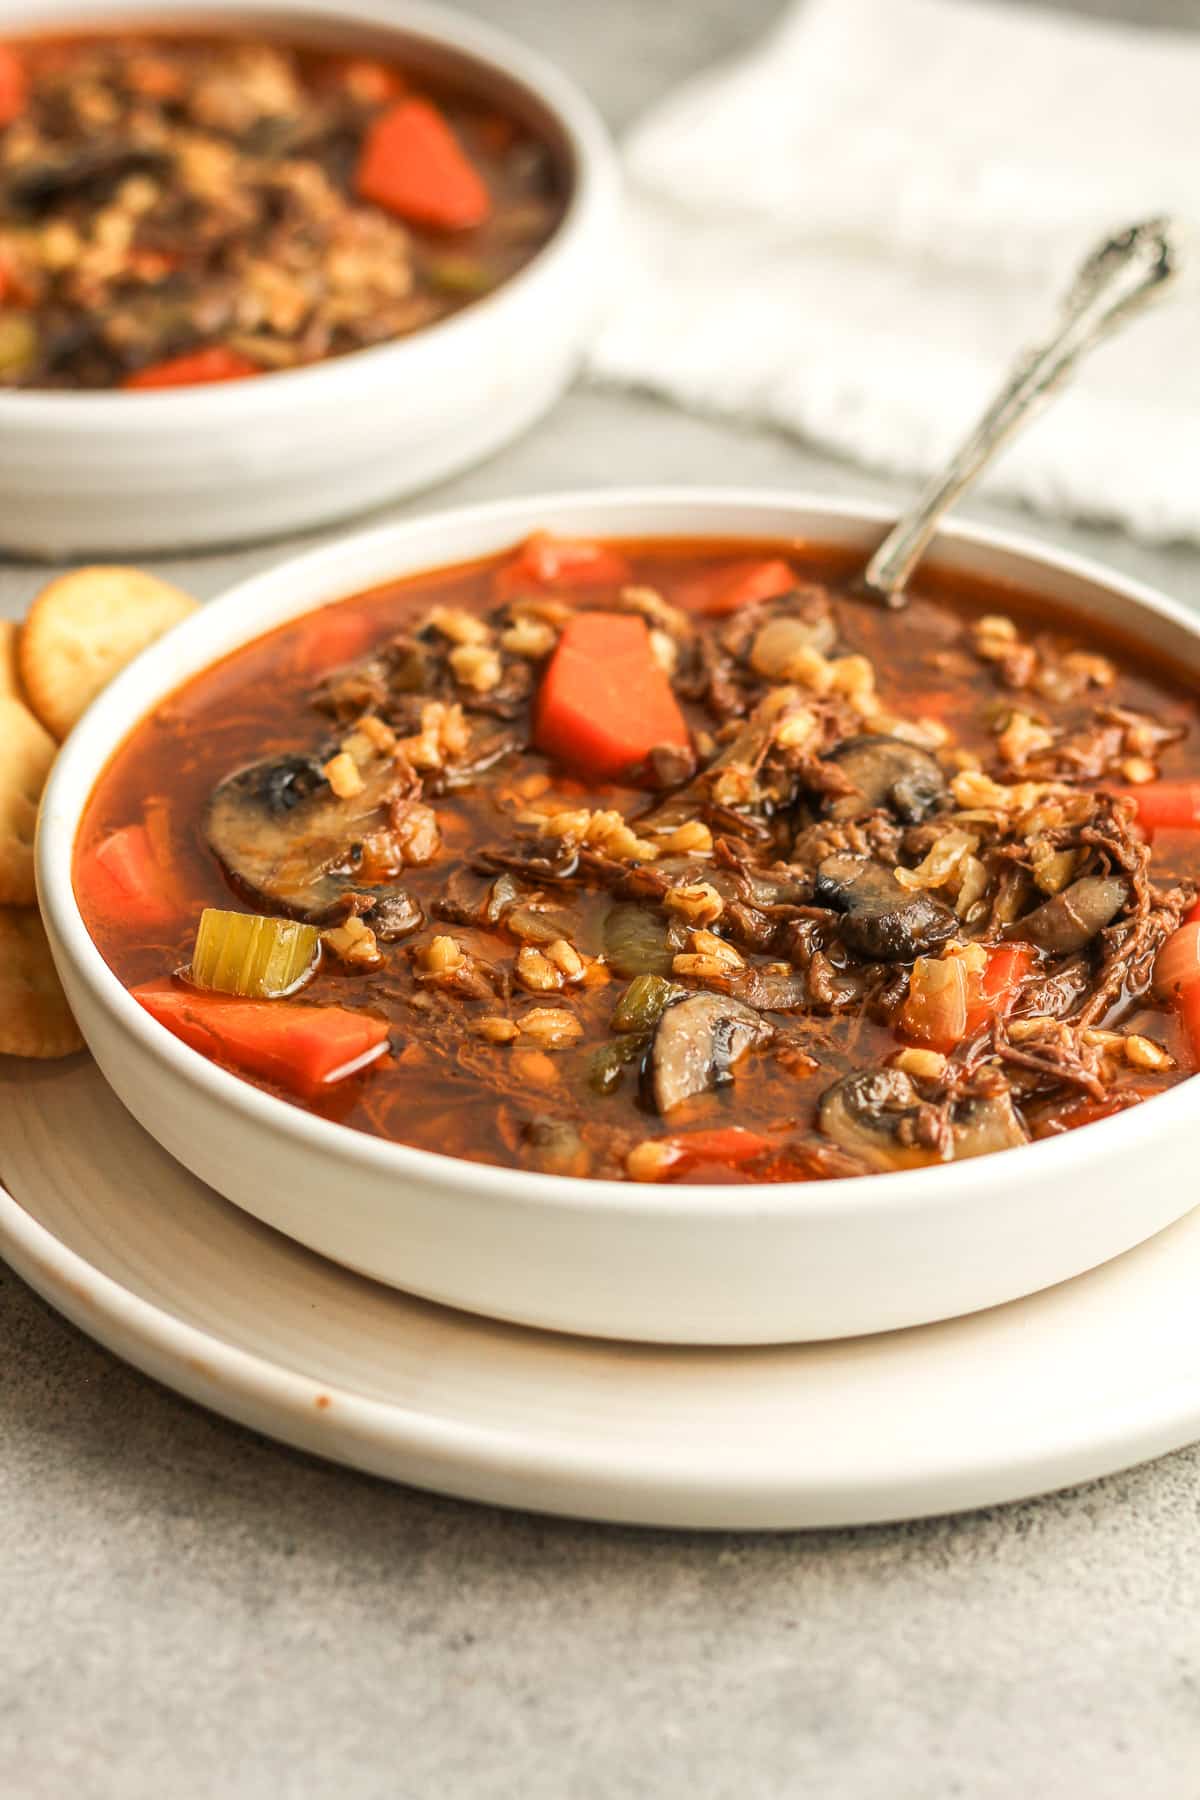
<point>1116,281</point>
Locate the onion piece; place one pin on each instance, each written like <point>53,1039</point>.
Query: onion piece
<point>936,1009</point>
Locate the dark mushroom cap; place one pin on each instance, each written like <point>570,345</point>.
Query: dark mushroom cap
<point>873,1114</point>
<point>864,1113</point>
<point>881,919</point>
<point>887,773</point>
<point>287,841</point>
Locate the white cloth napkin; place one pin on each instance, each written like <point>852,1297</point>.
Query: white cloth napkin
<point>851,232</point>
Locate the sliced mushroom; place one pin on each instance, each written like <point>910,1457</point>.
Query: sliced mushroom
<point>285,838</point>
<point>696,1043</point>
<point>1073,918</point>
<point>988,1123</point>
<point>888,773</point>
<point>556,1146</point>
<point>882,920</point>
<point>395,915</point>
<point>873,1115</point>
<point>766,988</point>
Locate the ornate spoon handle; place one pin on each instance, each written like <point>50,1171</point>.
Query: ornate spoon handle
<point>1116,281</point>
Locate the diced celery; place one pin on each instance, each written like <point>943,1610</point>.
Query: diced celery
<point>637,940</point>
<point>255,957</point>
<point>18,344</point>
<point>643,1003</point>
<point>607,1062</point>
<point>459,275</point>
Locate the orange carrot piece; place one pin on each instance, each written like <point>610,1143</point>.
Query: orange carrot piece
<point>121,877</point>
<point>998,986</point>
<point>304,1049</point>
<point>948,1003</point>
<point>545,561</point>
<point>1166,805</point>
<point>14,85</point>
<point>196,368</point>
<point>1189,1008</point>
<point>604,702</point>
<point>737,584</point>
<point>332,636</point>
<point>721,1146</point>
<point>1177,975</point>
<point>413,165</point>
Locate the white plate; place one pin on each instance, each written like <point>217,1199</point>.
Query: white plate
<point>1076,1382</point>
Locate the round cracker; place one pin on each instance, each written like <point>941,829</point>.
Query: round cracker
<point>10,681</point>
<point>35,1019</point>
<point>83,629</point>
<point>26,752</point>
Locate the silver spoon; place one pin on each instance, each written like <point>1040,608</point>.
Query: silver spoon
<point>1116,281</point>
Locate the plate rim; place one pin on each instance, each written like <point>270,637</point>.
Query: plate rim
<point>496,1466</point>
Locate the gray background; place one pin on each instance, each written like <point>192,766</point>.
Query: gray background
<point>187,1610</point>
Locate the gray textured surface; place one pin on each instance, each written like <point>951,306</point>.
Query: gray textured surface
<point>186,1610</point>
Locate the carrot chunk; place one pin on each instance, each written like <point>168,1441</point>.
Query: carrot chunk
<point>1177,965</point>
<point>737,584</point>
<point>333,635</point>
<point>14,85</point>
<point>413,165</point>
<point>544,561</point>
<point>1189,1007</point>
<point>1167,805</point>
<point>604,702</point>
<point>720,1148</point>
<point>947,1002</point>
<point>304,1049</point>
<point>121,877</point>
<point>1177,975</point>
<point>999,985</point>
<point>196,368</point>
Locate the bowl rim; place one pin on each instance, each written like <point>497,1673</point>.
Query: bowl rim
<point>593,188</point>
<point>148,680</point>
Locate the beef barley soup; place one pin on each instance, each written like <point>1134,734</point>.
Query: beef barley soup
<point>670,860</point>
<point>178,209</point>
